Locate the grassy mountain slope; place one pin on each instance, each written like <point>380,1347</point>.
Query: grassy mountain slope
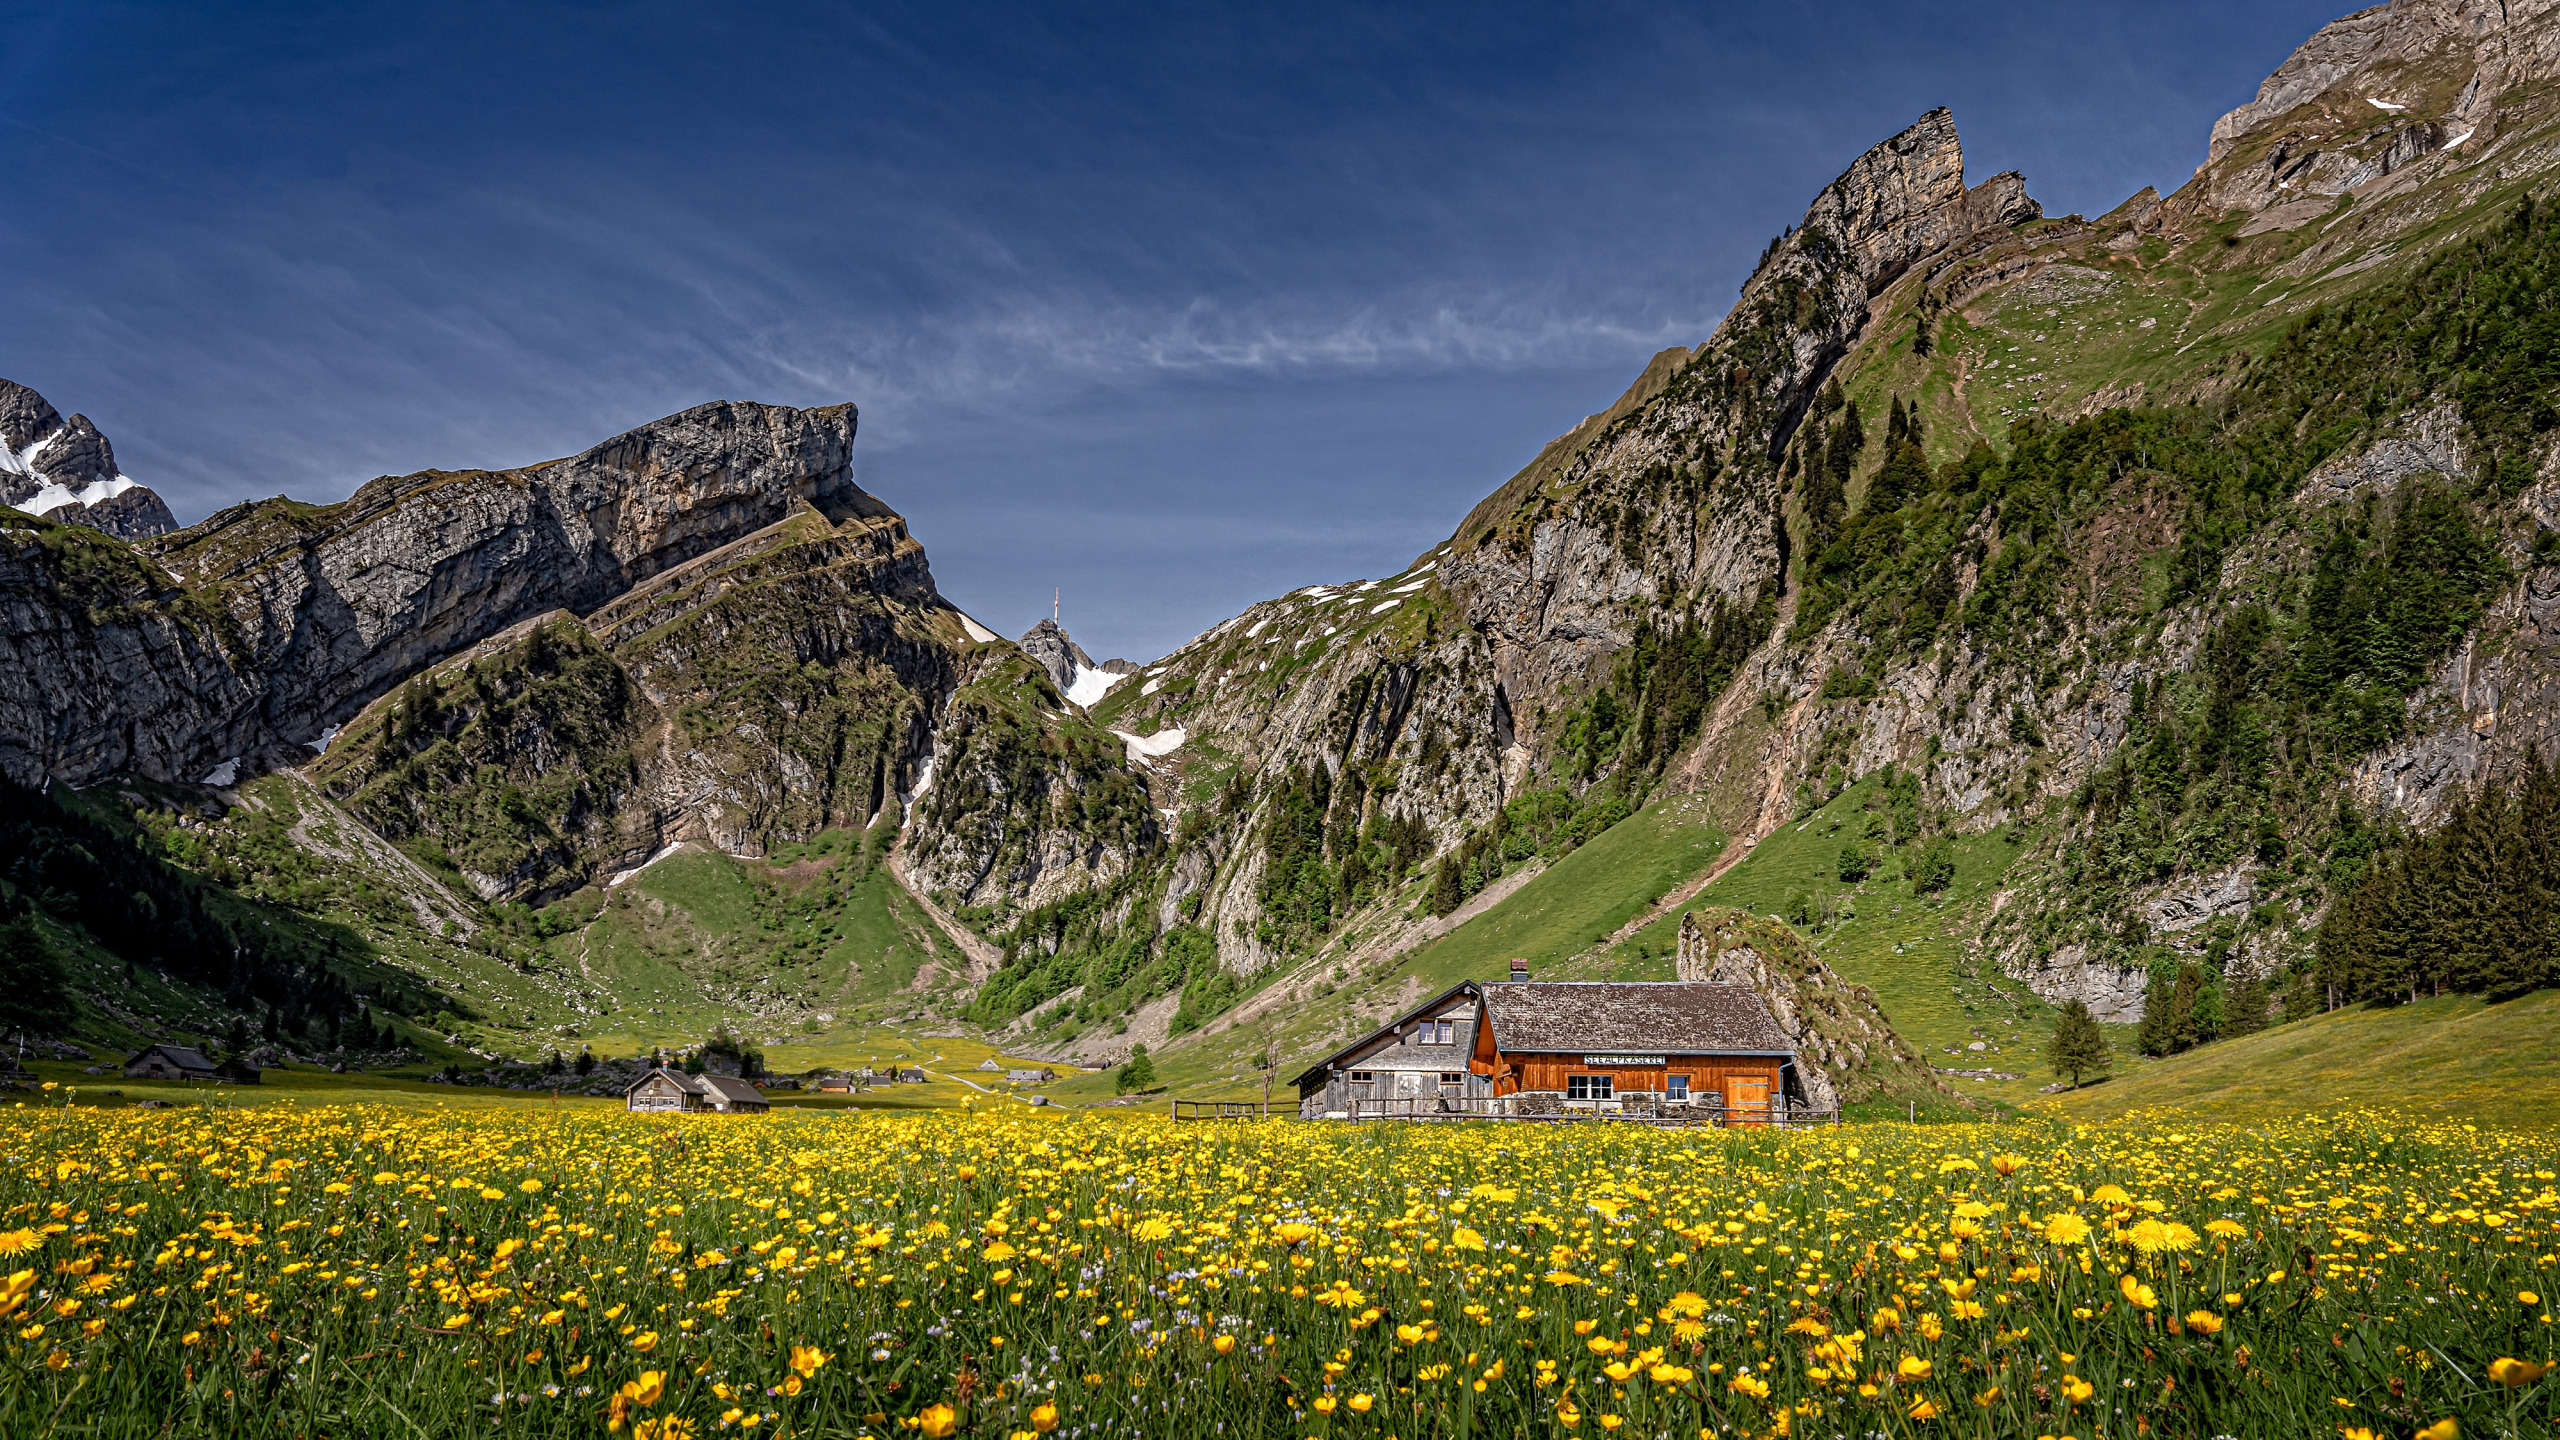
<point>2113,587</point>
<point>2452,1056</point>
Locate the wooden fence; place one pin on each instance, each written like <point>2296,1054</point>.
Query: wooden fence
<point>1453,1107</point>
<point>1446,1108</point>
<point>1234,1109</point>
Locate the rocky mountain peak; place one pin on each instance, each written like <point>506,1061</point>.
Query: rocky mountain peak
<point>66,471</point>
<point>25,416</point>
<point>2371,93</point>
<point>1057,652</point>
<point>1079,677</point>
<point>1905,200</point>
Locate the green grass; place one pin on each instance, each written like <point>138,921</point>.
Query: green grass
<point>1567,909</point>
<point>1883,934</point>
<point>1582,899</point>
<point>2457,1057</point>
<point>700,938</point>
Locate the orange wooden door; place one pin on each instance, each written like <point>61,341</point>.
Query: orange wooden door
<point>1746,1100</point>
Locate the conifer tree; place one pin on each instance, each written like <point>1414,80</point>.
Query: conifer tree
<point>2246,1011</point>
<point>35,991</point>
<point>2078,1047</point>
<point>1446,887</point>
<point>2153,1036</point>
<point>2186,1000</point>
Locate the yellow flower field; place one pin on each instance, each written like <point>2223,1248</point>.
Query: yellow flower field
<point>360,1271</point>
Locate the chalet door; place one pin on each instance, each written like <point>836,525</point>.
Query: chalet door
<point>1746,1100</point>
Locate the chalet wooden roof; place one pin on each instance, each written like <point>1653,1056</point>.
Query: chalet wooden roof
<point>690,1084</point>
<point>720,1087</point>
<point>1427,1007</point>
<point>1665,1017</point>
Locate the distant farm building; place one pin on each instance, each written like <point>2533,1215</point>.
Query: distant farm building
<point>1551,1048</point>
<point>663,1089</point>
<point>181,1062</point>
<point>1031,1077</point>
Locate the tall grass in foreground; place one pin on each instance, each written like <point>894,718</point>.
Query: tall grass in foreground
<point>359,1271</point>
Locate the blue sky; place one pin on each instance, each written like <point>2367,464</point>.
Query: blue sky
<point>1172,307</point>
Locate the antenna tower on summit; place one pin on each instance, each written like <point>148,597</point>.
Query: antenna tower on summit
<point>1053,606</point>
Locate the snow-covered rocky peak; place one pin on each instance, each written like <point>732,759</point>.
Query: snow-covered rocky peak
<point>65,470</point>
<point>1079,678</point>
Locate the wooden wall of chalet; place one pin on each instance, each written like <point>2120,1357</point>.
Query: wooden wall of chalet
<point>658,1093</point>
<point>1516,1073</point>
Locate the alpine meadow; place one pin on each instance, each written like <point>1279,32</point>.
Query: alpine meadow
<point>1977,854</point>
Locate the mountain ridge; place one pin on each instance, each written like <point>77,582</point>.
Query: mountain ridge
<point>2009,532</point>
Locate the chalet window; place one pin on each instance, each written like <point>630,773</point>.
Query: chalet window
<point>1362,1077</point>
<point>1590,1087</point>
<point>1675,1087</point>
<point>1436,1032</point>
<point>1452,1082</point>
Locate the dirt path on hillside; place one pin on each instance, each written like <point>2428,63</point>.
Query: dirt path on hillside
<point>984,958</point>
<point>1386,948</point>
<point>433,904</point>
<point>1735,851</point>
<point>1964,405</point>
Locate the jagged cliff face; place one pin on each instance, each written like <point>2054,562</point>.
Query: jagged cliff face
<point>66,471</point>
<point>1677,499</point>
<point>2371,93</point>
<point>702,630</point>
<point>1438,689</point>
<point>294,617</point>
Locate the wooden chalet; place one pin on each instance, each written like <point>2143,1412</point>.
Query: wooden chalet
<point>1560,1046</point>
<point>664,1089</point>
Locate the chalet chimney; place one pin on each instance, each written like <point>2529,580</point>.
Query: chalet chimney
<point>1519,971</point>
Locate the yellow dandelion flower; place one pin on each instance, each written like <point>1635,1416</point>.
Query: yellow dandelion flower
<point>2511,1372</point>
<point>2066,1229</point>
<point>19,1241</point>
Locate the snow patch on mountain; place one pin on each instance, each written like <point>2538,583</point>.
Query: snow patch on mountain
<point>1091,685</point>
<point>1148,747</point>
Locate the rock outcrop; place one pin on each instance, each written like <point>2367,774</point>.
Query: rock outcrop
<point>2374,92</point>
<point>65,471</point>
<point>1057,652</point>
<point>1846,1051</point>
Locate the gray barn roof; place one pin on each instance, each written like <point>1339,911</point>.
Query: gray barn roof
<point>184,1057</point>
<point>727,1089</point>
<point>1672,1017</point>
